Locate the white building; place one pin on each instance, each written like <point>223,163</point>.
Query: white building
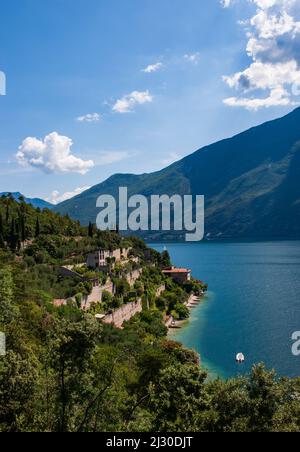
<point>100,258</point>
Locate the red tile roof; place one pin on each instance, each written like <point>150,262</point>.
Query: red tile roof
<point>176,270</point>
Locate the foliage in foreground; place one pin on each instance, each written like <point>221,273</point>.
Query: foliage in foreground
<point>65,372</point>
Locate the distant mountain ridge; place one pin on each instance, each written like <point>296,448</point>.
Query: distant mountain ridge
<point>250,182</point>
<point>35,202</point>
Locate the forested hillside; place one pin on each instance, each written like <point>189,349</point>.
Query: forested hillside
<point>64,371</point>
<point>38,203</point>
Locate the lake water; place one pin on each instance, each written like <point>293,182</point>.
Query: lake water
<point>253,304</point>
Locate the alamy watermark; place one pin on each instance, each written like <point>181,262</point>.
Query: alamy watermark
<point>2,344</point>
<point>2,84</point>
<point>153,213</point>
<point>296,344</point>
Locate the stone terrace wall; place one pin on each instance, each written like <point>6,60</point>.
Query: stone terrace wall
<point>124,313</point>
<point>96,295</point>
<point>133,276</point>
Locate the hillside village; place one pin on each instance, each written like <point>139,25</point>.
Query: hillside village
<point>100,273</point>
<point>124,263</point>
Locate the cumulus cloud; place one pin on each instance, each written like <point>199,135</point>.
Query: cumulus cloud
<point>278,97</point>
<point>52,155</point>
<point>57,198</point>
<point>152,68</point>
<point>128,102</point>
<point>261,75</point>
<point>274,46</point>
<point>90,117</point>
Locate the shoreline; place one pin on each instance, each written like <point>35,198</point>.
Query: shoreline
<point>173,331</point>
<point>192,302</point>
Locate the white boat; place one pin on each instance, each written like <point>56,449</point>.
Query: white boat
<point>240,358</point>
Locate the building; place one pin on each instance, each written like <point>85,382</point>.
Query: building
<point>100,258</point>
<point>179,275</point>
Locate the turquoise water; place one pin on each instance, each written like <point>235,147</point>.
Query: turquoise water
<point>253,304</point>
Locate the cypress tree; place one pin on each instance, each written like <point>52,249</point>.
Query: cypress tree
<point>17,237</point>
<point>37,227</point>
<point>91,230</point>
<point>1,232</point>
<point>13,236</point>
<point>22,227</point>
<point>7,212</point>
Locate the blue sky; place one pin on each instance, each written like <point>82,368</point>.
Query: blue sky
<point>135,84</point>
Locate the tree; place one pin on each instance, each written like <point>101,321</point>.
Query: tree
<point>122,287</point>
<point>18,383</point>
<point>178,398</point>
<point>22,225</point>
<point>37,227</point>
<point>107,298</point>
<point>91,230</point>
<point>229,406</point>
<point>182,311</point>
<point>2,244</point>
<point>7,308</point>
<point>7,211</point>
<point>71,357</point>
<point>13,238</point>
<point>264,396</point>
<point>165,260</point>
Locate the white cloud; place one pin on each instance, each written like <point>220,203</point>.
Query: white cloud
<point>277,97</point>
<point>57,198</point>
<point>52,154</point>
<point>90,117</point>
<point>270,26</point>
<point>192,57</point>
<point>226,3</point>
<point>261,75</point>
<point>127,103</point>
<point>267,4</point>
<point>274,47</point>
<point>153,68</point>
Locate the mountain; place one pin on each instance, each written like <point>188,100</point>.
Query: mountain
<point>250,182</point>
<point>35,202</point>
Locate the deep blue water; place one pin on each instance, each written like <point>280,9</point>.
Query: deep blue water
<point>253,304</point>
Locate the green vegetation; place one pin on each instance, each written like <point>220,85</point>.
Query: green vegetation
<point>66,372</point>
